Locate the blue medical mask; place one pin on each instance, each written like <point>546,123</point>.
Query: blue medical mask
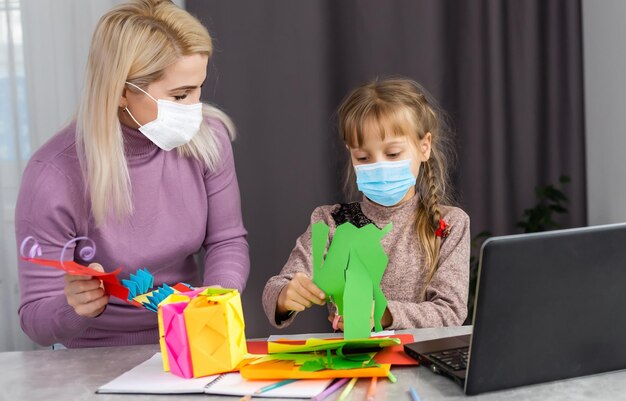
<point>385,183</point>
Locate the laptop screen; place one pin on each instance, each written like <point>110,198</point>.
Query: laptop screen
<point>549,306</point>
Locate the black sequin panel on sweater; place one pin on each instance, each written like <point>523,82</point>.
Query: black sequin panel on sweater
<point>350,213</point>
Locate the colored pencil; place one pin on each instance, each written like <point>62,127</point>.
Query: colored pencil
<point>330,390</point>
<point>371,391</point>
<point>413,394</point>
<point>347,390</point>
<point>268,388</point>
<point>275,385</point>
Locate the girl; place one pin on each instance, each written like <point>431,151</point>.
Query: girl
<point>146,171</point>
<point>398,145</point>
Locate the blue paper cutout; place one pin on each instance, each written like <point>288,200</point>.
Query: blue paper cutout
<point>138,283</point>
<point>157,296</point>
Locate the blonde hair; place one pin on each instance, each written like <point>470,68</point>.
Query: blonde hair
<point>134,42</point>
<point>402,107</point>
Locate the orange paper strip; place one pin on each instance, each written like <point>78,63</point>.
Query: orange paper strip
<point>274,370</point>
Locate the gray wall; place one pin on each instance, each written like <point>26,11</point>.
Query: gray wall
<point>604,31</point>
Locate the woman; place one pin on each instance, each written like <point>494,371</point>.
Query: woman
<point>145,171</point>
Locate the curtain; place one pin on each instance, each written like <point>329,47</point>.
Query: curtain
<point>44,46</point>
<point>14,151</point>
<point>508,72</point>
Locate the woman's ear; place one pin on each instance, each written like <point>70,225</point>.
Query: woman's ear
<point>425,146</point>
<point>123,99</point>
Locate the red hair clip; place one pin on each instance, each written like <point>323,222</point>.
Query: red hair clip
<point>443,231</point>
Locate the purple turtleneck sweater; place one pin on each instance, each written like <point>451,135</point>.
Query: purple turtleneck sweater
<point>180,207</point>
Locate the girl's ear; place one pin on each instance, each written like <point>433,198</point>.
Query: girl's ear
<point>425,146</point>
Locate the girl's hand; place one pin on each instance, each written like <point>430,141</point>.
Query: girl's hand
<point>300,293</point>
<point>385,321</point>
<point>85,293</point>
<point>331,319</point>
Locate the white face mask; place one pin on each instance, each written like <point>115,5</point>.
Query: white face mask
<point>175,124</point>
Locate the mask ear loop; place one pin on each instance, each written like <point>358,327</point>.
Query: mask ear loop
<point>131,116</point>
<point>130,83</point>
<point>128,111</point>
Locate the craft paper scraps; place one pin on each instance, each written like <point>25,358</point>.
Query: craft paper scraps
<point>136,290</point>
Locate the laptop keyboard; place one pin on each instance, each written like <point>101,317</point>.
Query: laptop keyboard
<point>455,359</point>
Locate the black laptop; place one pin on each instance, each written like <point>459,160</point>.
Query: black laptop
<point>549,306</point>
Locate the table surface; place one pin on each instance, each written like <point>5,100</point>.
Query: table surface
<point>76,374</point>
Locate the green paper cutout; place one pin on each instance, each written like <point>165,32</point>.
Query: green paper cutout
<point>335,362</point>
<point>353,357</point>
<point>327,360</point>
<point>314,361</point>
<point>319,234</point>
<point>373,253</point>
<point>329,273</point>
<point>317,354</point>
<point>314,344</point>
<point>298,359</point>
<point>357,308</point>
<point>351,273</point>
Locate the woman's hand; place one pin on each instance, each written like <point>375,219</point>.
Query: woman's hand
<point>300,293</point>
<point>85,293</point>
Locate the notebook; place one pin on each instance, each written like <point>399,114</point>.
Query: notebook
<point>547,308</point>
<point>149,378</point>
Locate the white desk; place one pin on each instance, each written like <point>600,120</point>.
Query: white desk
<point>76,374</point>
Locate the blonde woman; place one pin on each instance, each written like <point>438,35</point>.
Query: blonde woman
<point>146,172</point>
<point>399,150</point>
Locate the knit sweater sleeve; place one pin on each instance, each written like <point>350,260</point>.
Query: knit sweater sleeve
<point>445,301</point>
<point>46,209</point>
<point>300,260</point>
<point>227,259</point>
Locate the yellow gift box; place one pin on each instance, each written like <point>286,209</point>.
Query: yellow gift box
<point>214,340</point>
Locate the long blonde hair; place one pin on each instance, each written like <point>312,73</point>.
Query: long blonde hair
<point>134,42</point>
<point>402,107</point>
